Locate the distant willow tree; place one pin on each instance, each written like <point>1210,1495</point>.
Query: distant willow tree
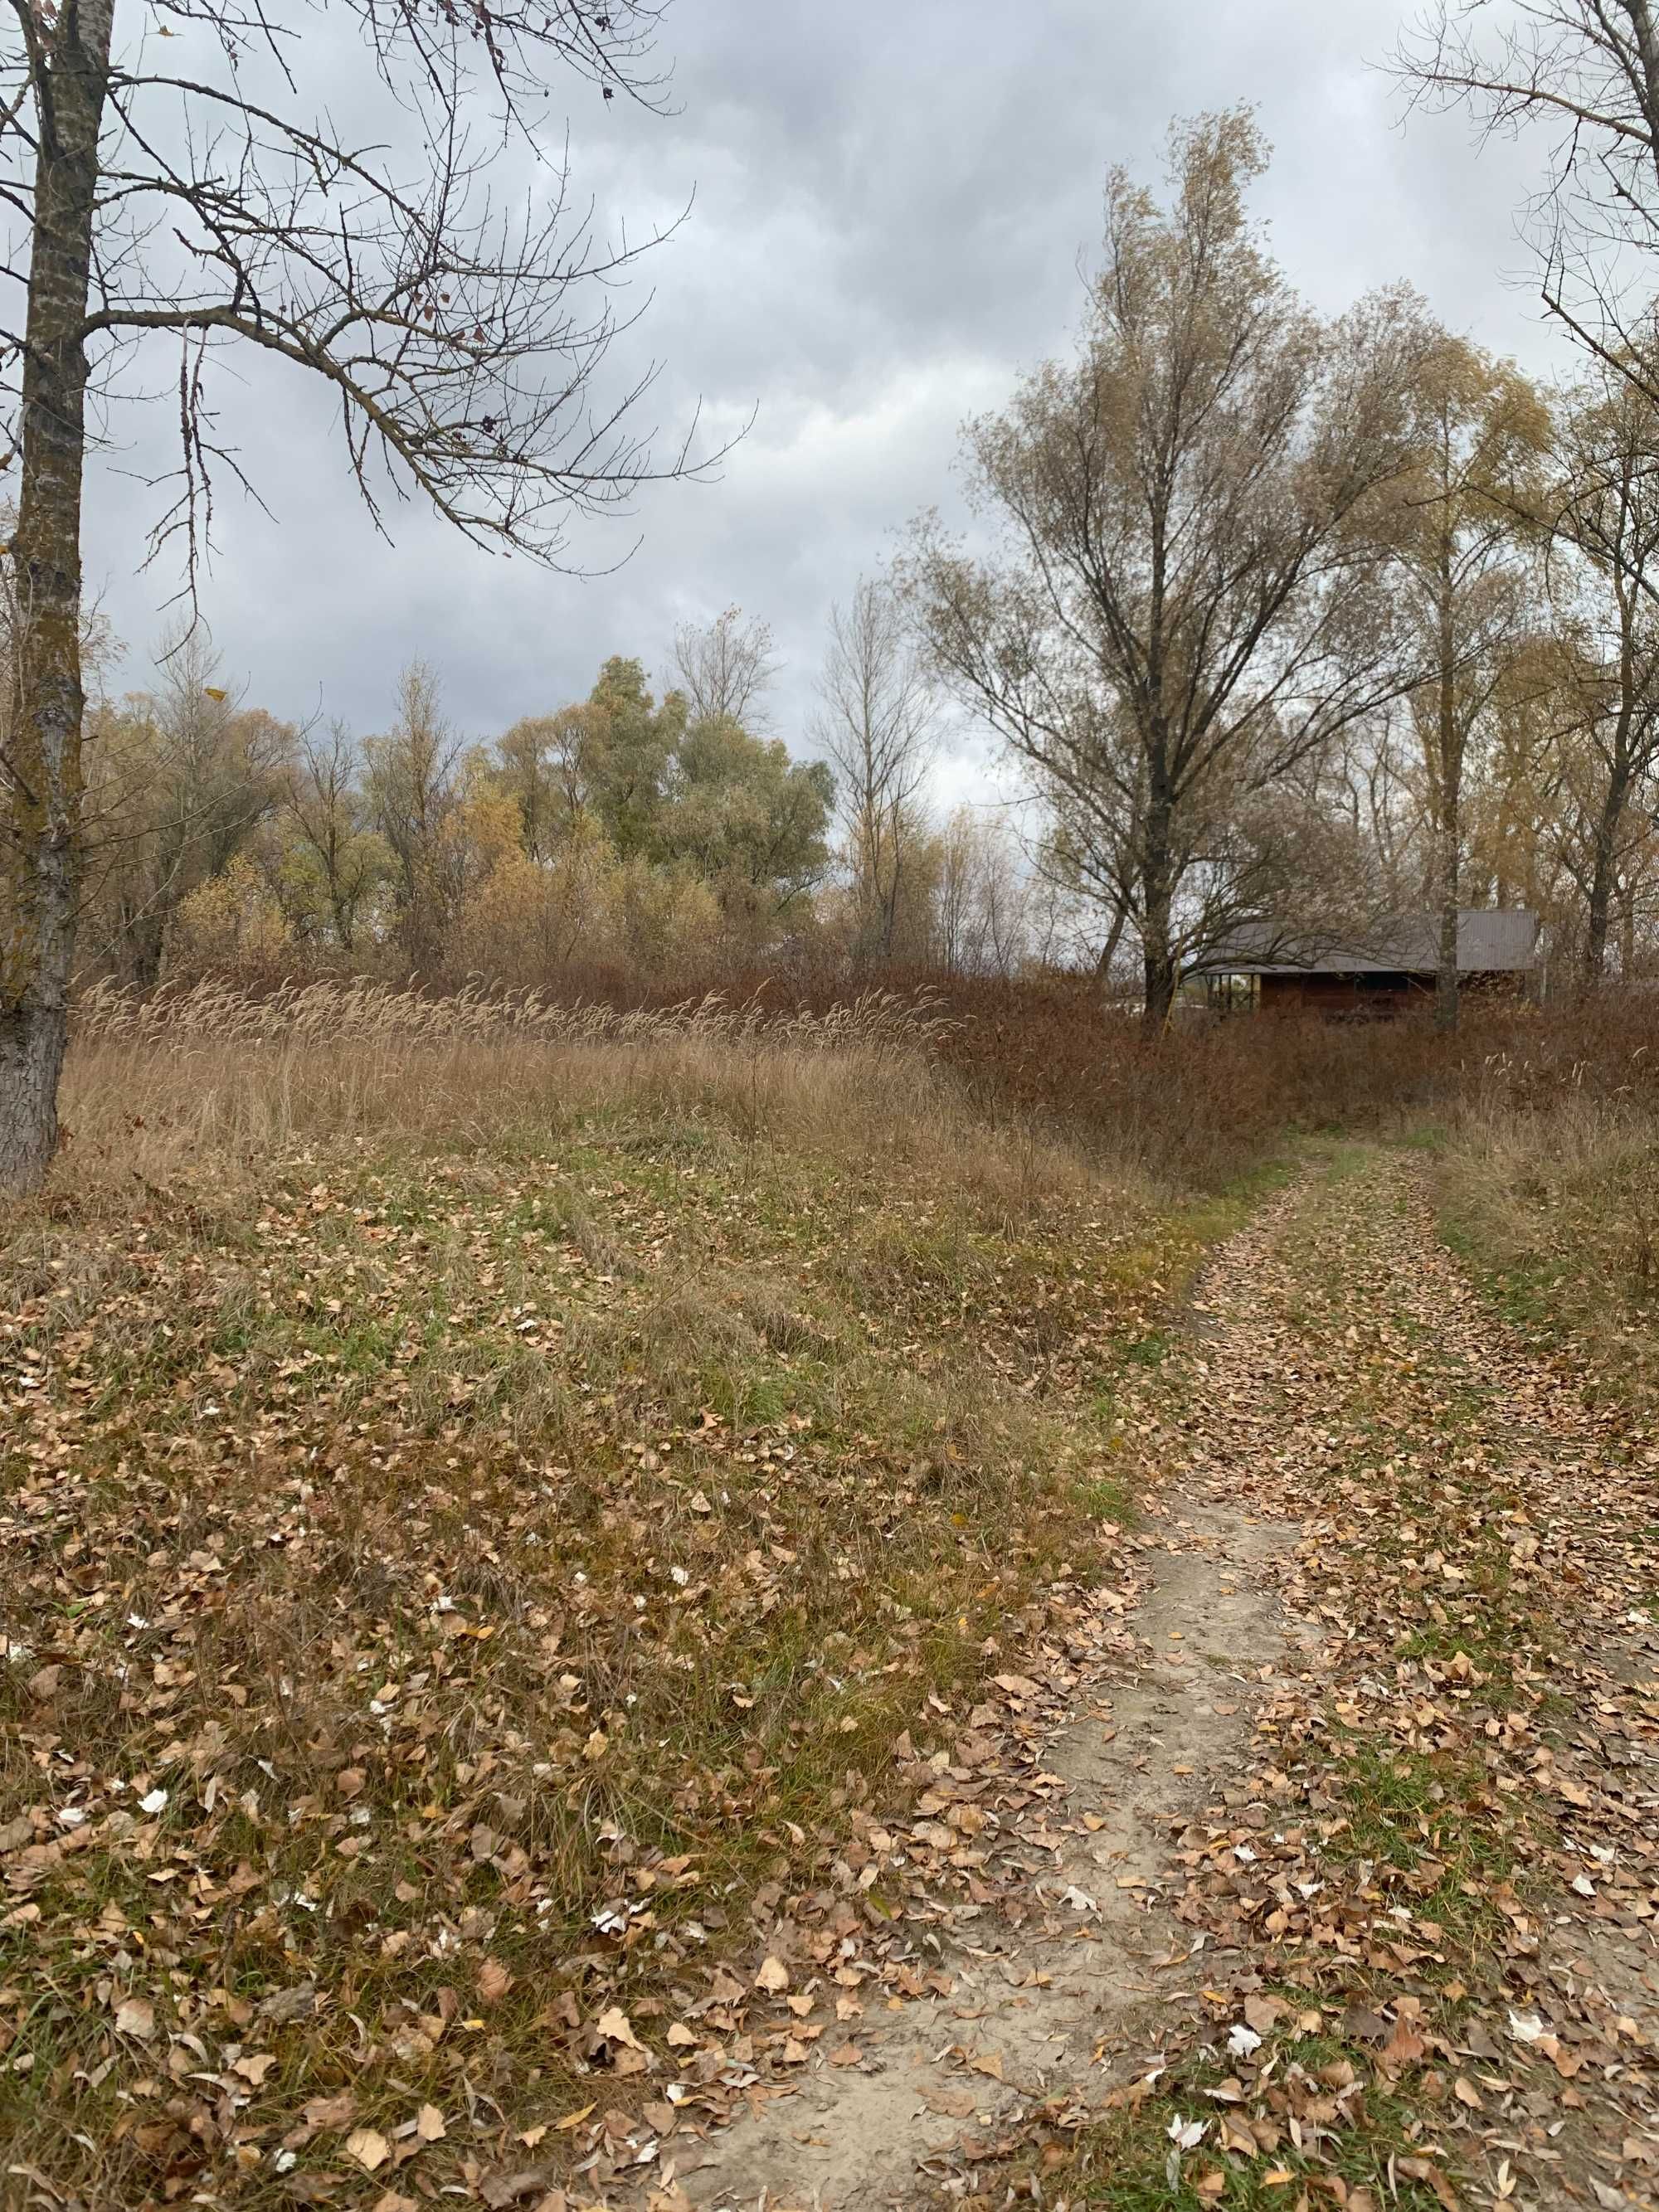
<point>1459,564</point>
<point>186,179</point>
<point>1183,605</point>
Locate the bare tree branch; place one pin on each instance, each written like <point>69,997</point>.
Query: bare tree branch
<point>464,332</point>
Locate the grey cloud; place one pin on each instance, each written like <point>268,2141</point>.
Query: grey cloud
<point>890,203</point>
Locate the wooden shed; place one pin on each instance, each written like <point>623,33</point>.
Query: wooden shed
<point>1390,975</point>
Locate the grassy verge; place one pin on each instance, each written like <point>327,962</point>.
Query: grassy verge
<point>1555,1207</point>
<point>492,1536</point>
<point>1333,2126</point>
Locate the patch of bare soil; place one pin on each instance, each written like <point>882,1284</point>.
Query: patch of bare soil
<point>1342,1873</point>
<point>1077,1953</point>
<point>1451,1908</point>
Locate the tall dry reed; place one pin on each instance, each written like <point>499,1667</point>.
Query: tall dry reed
<point>361,1011</point>
<point>210,1082</point>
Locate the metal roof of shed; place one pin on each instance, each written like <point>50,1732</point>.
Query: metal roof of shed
<point>1491,940</point>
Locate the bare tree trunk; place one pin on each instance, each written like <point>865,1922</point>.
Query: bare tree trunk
<point>889,893</point>
<point>1451,802</point>
<point>40,859</point>
<point>1160,995</point>
<point>1446,981</point>
<point>1156,932</point>
<point>1603,882</point>
<point>1109,951</point>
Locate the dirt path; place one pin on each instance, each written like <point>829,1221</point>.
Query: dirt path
<point>1466,1841</point>
<point>1034,2005</point>
<point>1043,1993</point>
<point>1378,1776</point>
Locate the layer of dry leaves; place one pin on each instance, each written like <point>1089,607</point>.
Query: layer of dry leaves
<point>510,1654</point>
<point>503,1653</point>
<point>1416,1952</point>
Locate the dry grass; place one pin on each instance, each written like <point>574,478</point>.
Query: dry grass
<point>164,1086</point>
<point>1547,1174</point>
<point>1558,1202</point>
<point>481,1500</point>
<point>359,1011</point>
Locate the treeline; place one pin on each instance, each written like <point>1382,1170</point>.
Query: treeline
<point>1286,623</point>
<point>668,837</point>
<point>1296,624</point>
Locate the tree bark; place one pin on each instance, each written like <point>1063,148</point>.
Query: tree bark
<point>39,861</point>
<point>1598,918</point>
<point>1615,797</point>
<point>1109,951</point>
<point>1157,920</point>
<point>1450,738</point>
<point>1446,992</point>
<point>1160,993</point>
<point>1647,54</point>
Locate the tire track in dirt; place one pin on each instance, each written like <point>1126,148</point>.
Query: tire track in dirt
<point>1034,2005</point>
<point>1392,1545</point>
<point>1043,2003</point>
<point>1463,1858</point>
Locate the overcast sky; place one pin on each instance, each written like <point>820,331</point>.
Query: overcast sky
<point>890,203</point>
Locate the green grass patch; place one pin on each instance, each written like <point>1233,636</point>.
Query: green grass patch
<point>1355,2131</point>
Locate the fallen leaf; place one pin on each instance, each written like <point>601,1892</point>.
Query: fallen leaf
<point>614,2026</point>
<point>136,2016</point>
<point>954,2104</point>
<point>369,2149</point>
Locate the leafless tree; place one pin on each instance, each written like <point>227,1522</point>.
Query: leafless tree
<point>876,726</point>
<point>726,668</point>
<point>984,897</point>
<point>211,200</point>
<point>1587,71</point>
<point>1378,789</point>
<point>1604,515</point>
<point>1185,608</point>
<point>1458,560</point>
